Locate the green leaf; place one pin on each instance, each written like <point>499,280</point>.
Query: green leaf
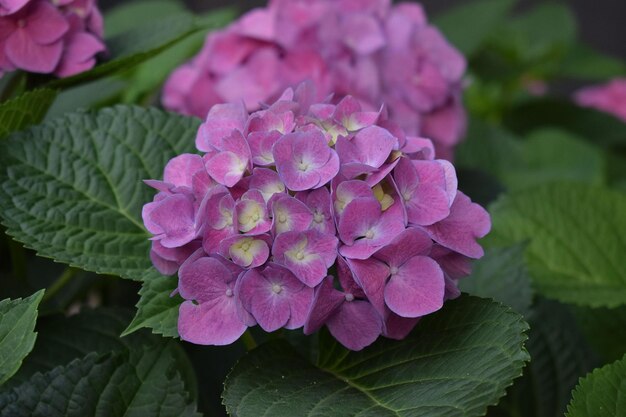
<point>594,126</point>
<point>142,42</point>
<point>17,322</point>
<point>72,188</point>
<point>27,109</point>
<point>559,356</point>
<point>62,339</point>
<point>538,159</point>
<point>605,329</point>
<point>90,95</point>
<point>485,16</point>
<point>128,16</point>
<point>576,240</point>
<point>601,393</point>
<point>501,274</point>
<point>157,308</point>
<point>456,362</point>
<point>139,382</point>
<point>584,62</point>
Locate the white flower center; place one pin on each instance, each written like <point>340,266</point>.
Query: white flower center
<point>229,293</point>
<point>349,297</point>
<point>277,288</point>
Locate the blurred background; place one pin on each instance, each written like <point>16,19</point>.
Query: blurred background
<point>601,22</point>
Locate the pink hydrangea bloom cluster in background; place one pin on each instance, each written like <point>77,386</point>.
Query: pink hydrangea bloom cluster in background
<point>57,36</point>
<point>609,97</point>
<point>376,52</point>
<point>305,214</point>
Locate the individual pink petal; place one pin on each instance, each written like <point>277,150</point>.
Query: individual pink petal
<point>416,288</point>
<point>258,24</point>
<point>8,7</point>
<point>398,327</point>
<point>246,251</point>
<point>79,54</point>
<point>24,53</point>
<point>411,242</point>
<point>213,322</point>
<point>326,302</point>
<point>370,146</point>
<point>467,222</point>
<point>318,202</point>
<point>172,219</point>
<point>44,23</point>
<point>355,325</point>
<point>371,275</point>
<point>261,144</point>
<point>362,33</point>
<point>290,214</point>
<point>220,123</point>
<point>227,168</point>
<point>181,169</point>
<point>267,182</point>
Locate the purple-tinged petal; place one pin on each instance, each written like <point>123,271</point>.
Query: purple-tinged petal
<point>45,24</point>
<point>370,146</point>
<point>307,254</point>
<point>267,182</point>
<point>326,302</point>
<point>411,242</point>
<point>220,123</point>
<point>355,325</point>
<point>181,169</point>
<point>290,214</point>
<point>398,327</point>
<point>318,202</point>
<point>79,54</point>
<point>227,168</point>
<point>347,191</point>
<point>213,322</point>
<point>172,219</point>
<point>8,7</point>
<point>362,33</point>
<point>261,144</point>
<point>371,275</point>
<point>416,288</point>
<point>467,222</point>
<point>204,279</point>
<point>24,53</point>
<point>347,279</point>
<point>168,260</point>
<point>304,160</point>
<point>454,264</point>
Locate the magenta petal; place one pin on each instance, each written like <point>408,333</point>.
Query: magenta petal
<point>411,242</point>
<point>355,325</point>
<point>429,204</point>
<point>467,222</point>
<point>416,289</point>
<point>45,24</point>
<point>363,33</point>
<point>220,123</point>
<point>214,322</point>
<point>226,168</point>
<point>8,7</point>
<point>204,279</point>
<point>24,53</point>
<point>290,214</point>
<point>79,54</point>
<point>397,327</point>
<point>265,299</point>
<point>181,169</point>
<point>325,303</point>
<point>371,275</point>
<point>174,218</point>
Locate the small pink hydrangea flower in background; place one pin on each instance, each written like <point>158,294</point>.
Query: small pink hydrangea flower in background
<point>376,52</point>
<point>310,214</point>
<point>609,97</point>
<point>60,37</point>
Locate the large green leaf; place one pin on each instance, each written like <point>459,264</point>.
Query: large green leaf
<point>576,240</point>
<point>27,109</point>
<point>137,382</point>
<point>586,63</point>
<point>17,322</point>
<point>484,15</point>
<point>143,41</point>
<point>455,363</point>
<point>127,16</point>
<point>157,308</point>
<point>72,188</point>
<point>602,393</point>
<point>501,274</point>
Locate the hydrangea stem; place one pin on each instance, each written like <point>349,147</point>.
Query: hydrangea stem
<point>248,340</point>
<point>63,279</point>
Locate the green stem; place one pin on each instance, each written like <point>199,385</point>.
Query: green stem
<point>61,282</point>
<point>18,260</point>
<point>248,340</point>
<point>13,85</point>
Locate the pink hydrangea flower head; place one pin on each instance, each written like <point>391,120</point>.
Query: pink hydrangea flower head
<point>373,51</point>
<point>61,37</point>
<point>609,97</point>
<point>310,214</point>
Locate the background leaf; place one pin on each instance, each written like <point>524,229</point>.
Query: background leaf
<point>457,361</point>
<point>601,394</point>
<point>501,275</point>
<point>576,240</point>
<point>138,382</point>
<point>72,188</point>
<point>605,329</point>
<point>485,15</point>
<point>17,322</point>
<point>24,110</point>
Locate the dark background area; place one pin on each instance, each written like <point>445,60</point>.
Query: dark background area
<point>601,22</point>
